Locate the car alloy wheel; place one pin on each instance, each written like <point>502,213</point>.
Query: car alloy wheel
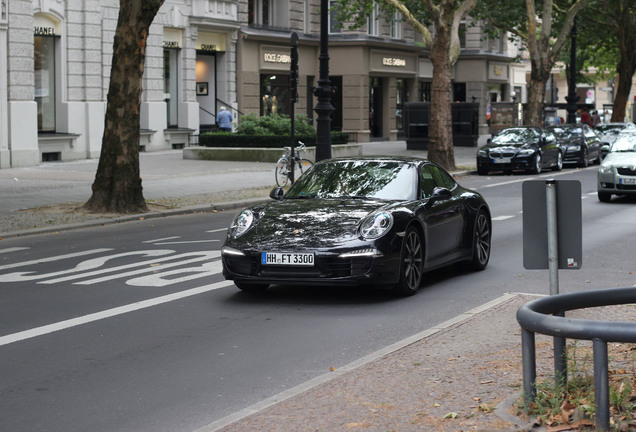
<point>559,164</point>
<point>536,169</point>
<point>584,162</point>
<point>411,262</point>
<point>481,242</point>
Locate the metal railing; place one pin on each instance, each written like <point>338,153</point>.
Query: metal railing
<point>547,316</point>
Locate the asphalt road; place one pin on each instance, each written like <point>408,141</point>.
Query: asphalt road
<point>132,327</point>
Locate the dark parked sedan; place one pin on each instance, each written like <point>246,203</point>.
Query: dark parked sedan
<point>359,221</point>
<point>581,145</point>
<point>528,149</point>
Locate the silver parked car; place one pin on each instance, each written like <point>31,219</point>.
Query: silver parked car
<point>617,174</point>
<point>608,132</point>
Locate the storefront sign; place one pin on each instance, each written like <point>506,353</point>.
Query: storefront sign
<point>276,58</point>
<point>45,25</point>
<point>210,42</point>
<point>388,62</point>
<point>392,61</point>
<point>171,38</point>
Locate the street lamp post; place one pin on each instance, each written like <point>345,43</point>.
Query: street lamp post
<point>572,98</point>
<point>324,90</point>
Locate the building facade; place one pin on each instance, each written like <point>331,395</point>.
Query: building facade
<point>204,54</point>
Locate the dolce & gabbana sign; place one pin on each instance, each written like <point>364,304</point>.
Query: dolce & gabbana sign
<point>269,57</point>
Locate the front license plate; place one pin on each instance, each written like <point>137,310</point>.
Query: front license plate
<point>288,259</point>
<point>628,181</point>
<point>502,160</point>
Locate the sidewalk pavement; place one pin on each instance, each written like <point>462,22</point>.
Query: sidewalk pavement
<point>461,375</point>
<point>180,185</point>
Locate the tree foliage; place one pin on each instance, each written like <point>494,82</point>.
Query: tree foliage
<point>117,186</point>
<point>607,43</point>
<point>544,28</point>
<point>444,16</point>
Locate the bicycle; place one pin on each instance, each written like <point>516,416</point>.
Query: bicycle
<point>284,166</point>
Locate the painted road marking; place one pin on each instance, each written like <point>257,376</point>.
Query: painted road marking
<point>109,313</point>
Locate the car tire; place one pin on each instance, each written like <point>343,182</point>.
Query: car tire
<point>604,196</point>
<point>482,171</point>
<point>249,287</point>
<point>536,168</point>
<point>482,236</point>
<point>411,262</point>
<point>559,164</point>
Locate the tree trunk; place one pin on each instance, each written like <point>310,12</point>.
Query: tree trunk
<point>440,145</point>
<point>626,66</point>
<point>536,92</point>
<point>117,186</point>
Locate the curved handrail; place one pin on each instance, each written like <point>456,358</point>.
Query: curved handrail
<point>547,316</point>
<point>538,315</point>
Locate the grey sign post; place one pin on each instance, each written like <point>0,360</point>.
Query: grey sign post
<point>553,237</point>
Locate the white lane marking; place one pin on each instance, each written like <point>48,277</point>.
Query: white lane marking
<point>524,179</point>
<point>55,258</point>
<point>13,249</point>
<point>109,313</point>
<point>217,230</point>
<point>500,218</point>
<point>152,265</point>
<point>206,269</point>
<point>161,239</point>
<point>186,242</point>
<point>81,267</point>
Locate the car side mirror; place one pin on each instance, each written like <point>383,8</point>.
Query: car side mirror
<point>440,193</point>
<point>488,141</point>
<point>277,193</point>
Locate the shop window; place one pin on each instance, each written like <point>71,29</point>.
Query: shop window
<point>425,91</point>
<point>171,85</point>
<point>275,94</point>
<point>459,92</point>
<point>462,35</point>
<point>268,13</point>
<point>334,24</point>
<point>373,24</point>
<point>44,68</point>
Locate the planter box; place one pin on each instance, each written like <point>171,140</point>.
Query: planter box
<point>263,154</point>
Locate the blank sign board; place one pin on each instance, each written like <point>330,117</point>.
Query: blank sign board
<point>535,224</point>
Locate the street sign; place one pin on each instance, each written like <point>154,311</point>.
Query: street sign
<point>568,224</point>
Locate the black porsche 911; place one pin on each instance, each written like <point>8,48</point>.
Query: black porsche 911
<point>359,221</point>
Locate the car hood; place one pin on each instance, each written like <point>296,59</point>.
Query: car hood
<point>510,147</point>
<point>620,159</point>
<point>293,224</point>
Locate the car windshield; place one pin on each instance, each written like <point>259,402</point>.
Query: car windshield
<point>386,180</point>
<point>516,136</point>
<point>610,128</point>
<point>624,143</point>
<point>569,132</point>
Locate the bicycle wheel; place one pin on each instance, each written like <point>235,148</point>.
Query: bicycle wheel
<point>302,166</point>
<point>282,172</point>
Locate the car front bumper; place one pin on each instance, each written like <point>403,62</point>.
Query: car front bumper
<point>517,163</point>
<point>619,181</point>
<point>328,269</point>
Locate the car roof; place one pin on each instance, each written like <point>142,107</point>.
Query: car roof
<point>403,159</point>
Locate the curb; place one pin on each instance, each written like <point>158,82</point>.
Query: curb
<point>134,217</point>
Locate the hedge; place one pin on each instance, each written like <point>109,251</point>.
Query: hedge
<point>229,139</point>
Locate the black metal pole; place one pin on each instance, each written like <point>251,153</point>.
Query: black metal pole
<point>572,98</point>
<point>293,71</point>
<point>324,90</point>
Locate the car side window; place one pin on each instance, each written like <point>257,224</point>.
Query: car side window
<point>427,183</point>
<point>442,178</point>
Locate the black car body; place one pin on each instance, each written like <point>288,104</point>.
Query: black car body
<point>581,145</point>
<point>529,149</point>
<point>359,221</point>
<point>608,132</point>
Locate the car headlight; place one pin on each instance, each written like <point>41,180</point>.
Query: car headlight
<point>241,223</point>
<point>605,169</point>
<point>575,147</point>
<point>376,225</point>
<point>525,152</point>
<point>483,153</point>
